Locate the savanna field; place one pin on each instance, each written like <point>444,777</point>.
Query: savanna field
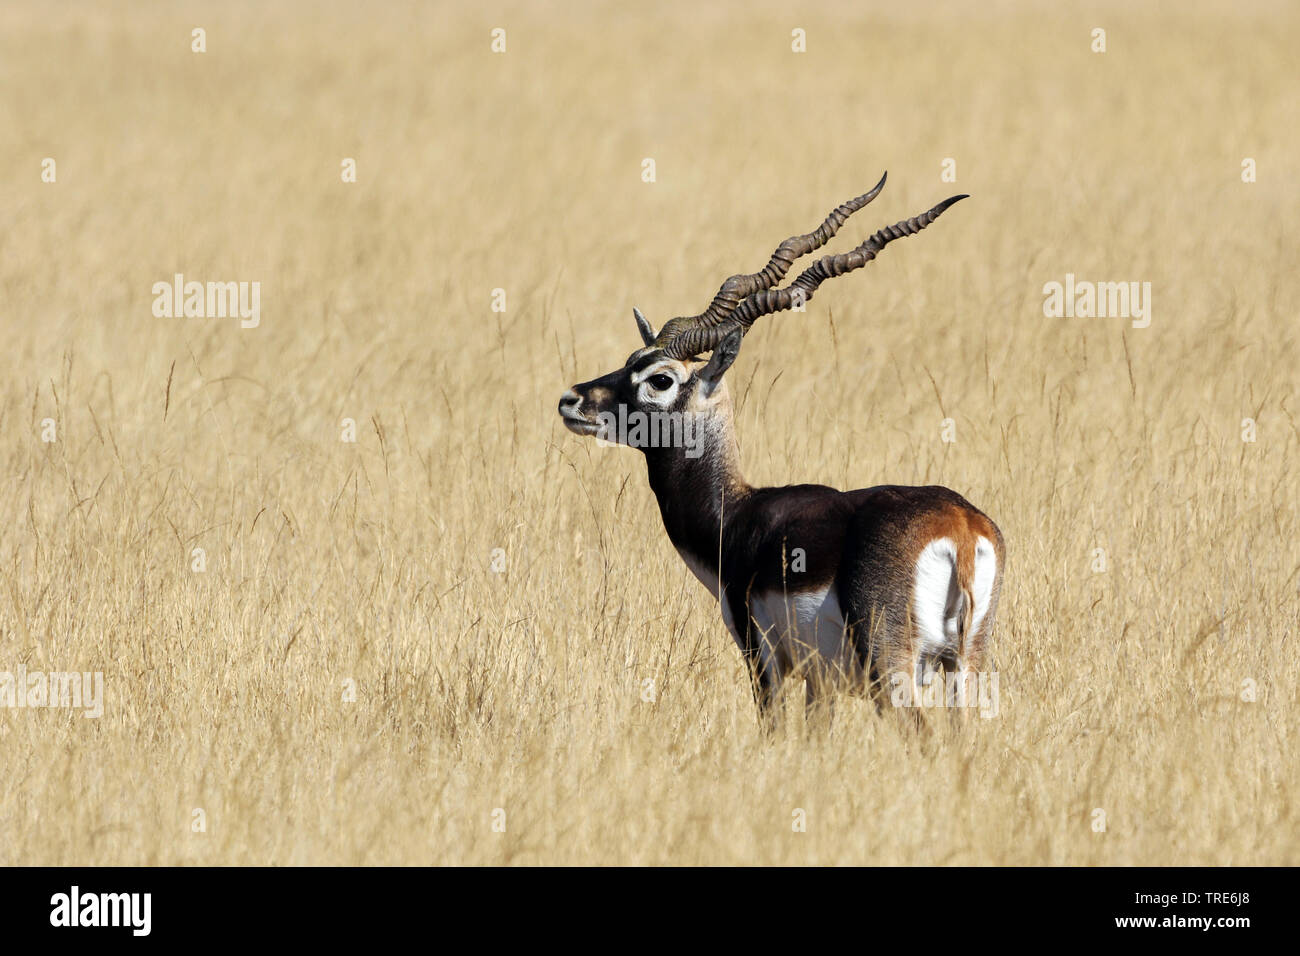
<point>464,638</point>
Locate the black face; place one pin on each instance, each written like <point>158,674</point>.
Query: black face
<point>650,382</point>
<point>650,385</point>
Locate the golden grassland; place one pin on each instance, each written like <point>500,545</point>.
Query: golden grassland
<point>371,562</point>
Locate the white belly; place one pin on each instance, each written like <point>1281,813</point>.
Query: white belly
<point>805,630</point>
<point>801,630</point>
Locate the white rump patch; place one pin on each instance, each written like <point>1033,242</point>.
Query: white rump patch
<point>937,601</point>
<point>986,571</point>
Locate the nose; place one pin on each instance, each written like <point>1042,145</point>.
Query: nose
<point>570,401</point>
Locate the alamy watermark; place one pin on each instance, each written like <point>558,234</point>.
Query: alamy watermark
<point>38,689</point>
<point>638,429</point>
<point>211,300</point>
<point>130,910</point>
<point>1086,300</point>
<point>958,690</point>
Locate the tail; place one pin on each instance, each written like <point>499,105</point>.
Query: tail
<point>965,614</point>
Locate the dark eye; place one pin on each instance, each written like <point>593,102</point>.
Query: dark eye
<point>661,383</point>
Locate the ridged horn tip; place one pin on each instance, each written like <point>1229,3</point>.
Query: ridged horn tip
<point>643,326</point>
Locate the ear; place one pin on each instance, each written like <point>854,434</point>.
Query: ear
<point>723,355</point>
<point>645,328</point>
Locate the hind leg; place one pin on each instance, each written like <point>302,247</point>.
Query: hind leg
<point>904,678</point>
<point>872,641</point>
<point>890,649</point>
<point>975,687</point>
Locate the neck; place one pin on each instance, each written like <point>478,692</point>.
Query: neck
<point>699,492</point>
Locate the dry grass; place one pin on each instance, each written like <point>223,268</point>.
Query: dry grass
<point>522,690</point>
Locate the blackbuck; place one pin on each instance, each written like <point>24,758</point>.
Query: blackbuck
<point>873,589</point>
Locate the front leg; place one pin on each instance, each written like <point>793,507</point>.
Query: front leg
<point>766,678</point>
<point>818,701</point>
<point>766,674</point>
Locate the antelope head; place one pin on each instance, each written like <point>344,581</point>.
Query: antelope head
<point>670,374</point>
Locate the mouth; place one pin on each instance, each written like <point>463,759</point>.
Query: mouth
<point>578,425</point>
